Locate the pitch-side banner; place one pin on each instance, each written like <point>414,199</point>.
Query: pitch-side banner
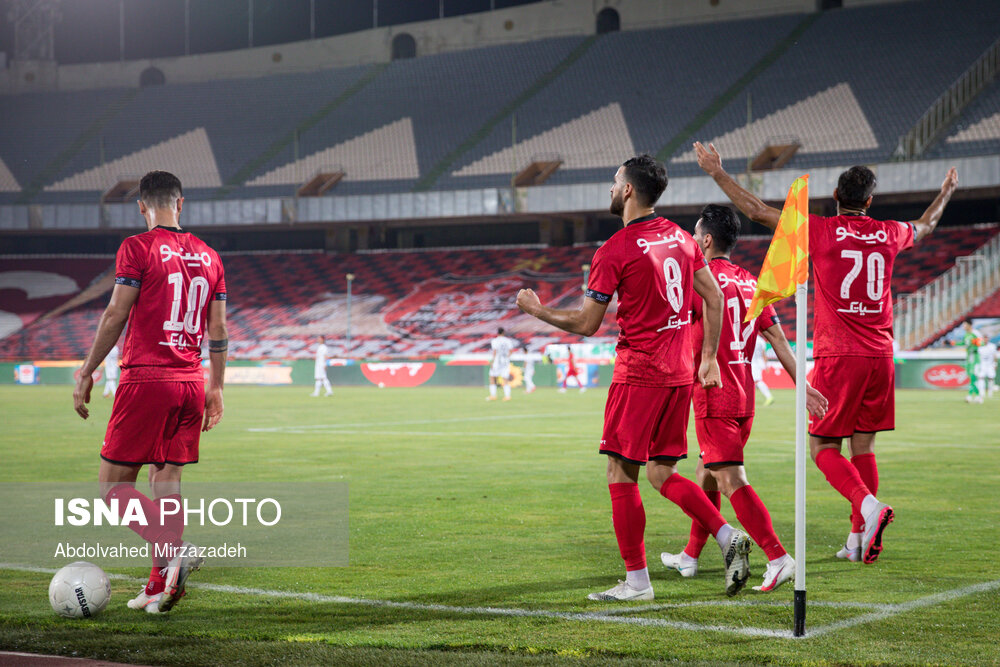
<point>230,524</point>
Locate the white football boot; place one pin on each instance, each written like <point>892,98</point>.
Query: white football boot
<point>175,574</point>
<point>623,593</point>
<point>151,603</point>
<point>777,574</point>
<point>680,563</point>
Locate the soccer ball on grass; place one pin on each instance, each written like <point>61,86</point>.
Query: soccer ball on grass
<point>79,590</point>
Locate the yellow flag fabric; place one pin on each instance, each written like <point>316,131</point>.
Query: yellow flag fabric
<point>787,262</point>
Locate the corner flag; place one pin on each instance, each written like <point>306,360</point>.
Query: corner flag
<point>787,262</point>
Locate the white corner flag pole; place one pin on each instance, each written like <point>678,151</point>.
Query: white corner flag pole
<point>801,313</point>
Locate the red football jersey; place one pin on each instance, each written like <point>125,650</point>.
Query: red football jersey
<point>177,275</point>
<point>852,258</point>
<point>651,264</point>
<point>736,344</point>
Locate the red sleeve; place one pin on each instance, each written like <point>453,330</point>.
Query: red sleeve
<point>130,263</point>
<point>767,318</point>
<point>219,293</point>
<point>903,235</point>
<point>605,274</point>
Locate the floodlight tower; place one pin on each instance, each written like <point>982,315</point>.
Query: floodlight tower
<point>34,28</point>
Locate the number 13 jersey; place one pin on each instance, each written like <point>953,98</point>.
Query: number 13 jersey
<point>852,258</point>
<point>178,276</point>
<point>651,264</point>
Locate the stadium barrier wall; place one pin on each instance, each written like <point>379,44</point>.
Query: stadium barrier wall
<point>928,372</point>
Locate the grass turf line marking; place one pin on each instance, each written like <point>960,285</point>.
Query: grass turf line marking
<point>903,607</point>
<point>414,422</point>
<point>604,615</point>
<point>436,434</point>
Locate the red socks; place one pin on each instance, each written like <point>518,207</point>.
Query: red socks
<point>167,533</point>
<point>868,469</point>
<point>757,520</point>
<point>842,476</point>
<point>629,518</point>
<point>698,537</point>
<point>156,583</point>
<point>692,499</point>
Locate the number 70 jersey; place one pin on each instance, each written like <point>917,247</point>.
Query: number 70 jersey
<point>852,259</point>
<point>178,276</point>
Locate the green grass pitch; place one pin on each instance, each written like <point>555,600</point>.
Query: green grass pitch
<point>457,502</point>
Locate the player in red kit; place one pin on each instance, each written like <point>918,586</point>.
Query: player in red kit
<point>170,287</point>
<point>852,256</point>
<point>655,267</point>
<point>724,415</point>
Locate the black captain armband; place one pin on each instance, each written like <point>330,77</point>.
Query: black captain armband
<point>128,282</point>
<point>218,345</point>
<point>599,297</point>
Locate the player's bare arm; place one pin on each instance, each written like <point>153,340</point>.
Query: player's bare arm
<point>584,321</point>
<point>816,403</point>
<point>711,163</point>
<point>926,223</point>
<point>218,349</point>
<point>108,330</point>
<point>706,287</point>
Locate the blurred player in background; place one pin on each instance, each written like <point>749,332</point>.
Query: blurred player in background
<point>572,372</point>
<point>319,371</point>
<point>529,374</point>
<point>987,371</point>
<point>655,267</point>
<point>724,415</point>
<point>757,365</point>
<point>852,256</point>
<point>170,287</point>
<point>972,339</point>
<point>111,372</point>
<point>500,365</point>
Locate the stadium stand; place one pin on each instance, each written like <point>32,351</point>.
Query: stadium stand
<point>411,304</point>
<point>445,121</point>
<point>977,131</point>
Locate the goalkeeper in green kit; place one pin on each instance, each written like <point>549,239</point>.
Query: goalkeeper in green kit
<point>972,340</point>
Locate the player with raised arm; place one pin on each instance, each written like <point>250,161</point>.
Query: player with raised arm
<point>170,288</point>
<point>501,346</point>
<point>852,256</point>
<point>723,416</point>
<point>655,267</point>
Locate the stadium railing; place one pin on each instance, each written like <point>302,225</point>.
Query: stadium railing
<point>921,315</point>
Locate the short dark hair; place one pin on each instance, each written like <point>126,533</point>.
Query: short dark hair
<point>500,331</point>
<point>648,176</point>
<point>855,186</point>
<point>159,189</point>
<point>723,224</point>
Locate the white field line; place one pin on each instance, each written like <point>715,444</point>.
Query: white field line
<point>606,616</point>
<point>903,607</point>
<point>414,422</point>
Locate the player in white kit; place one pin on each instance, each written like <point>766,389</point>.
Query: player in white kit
<point>757,371</point>
<point>111,372</point>
<point>500,365</point>
<point>320,372</point>
<point>986,374</point>
<point>529,375</point>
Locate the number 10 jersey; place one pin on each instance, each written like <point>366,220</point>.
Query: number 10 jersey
<point>177,275</point>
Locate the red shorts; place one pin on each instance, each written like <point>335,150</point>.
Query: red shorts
<point>861,394</point>
<point>646,423</point>
<point>155,422</point>
<point>722,439</point>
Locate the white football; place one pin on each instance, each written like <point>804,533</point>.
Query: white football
<point>79,590</point>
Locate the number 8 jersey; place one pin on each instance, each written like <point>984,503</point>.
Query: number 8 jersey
<point>852,258</point>
<point>177,275</point>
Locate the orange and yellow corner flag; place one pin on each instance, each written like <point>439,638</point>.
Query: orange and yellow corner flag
<point>787,262</point>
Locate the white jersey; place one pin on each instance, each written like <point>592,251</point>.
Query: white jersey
<point>502,347</point>
<point>529,369</point>
<point>321,352</point>
<point>987,360</point>
<point>111,364</point>
<point>757,361</point>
